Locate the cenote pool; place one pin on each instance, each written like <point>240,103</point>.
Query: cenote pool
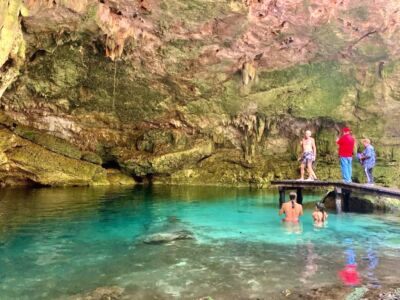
<point>60,243</point>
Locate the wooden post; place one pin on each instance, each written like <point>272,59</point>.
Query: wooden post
<point>281,196</point>
<point>299,193</point>
<point>338,199</point>
<point>346,200</point>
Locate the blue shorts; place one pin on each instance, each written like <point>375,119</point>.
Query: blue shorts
<point>307,157</point>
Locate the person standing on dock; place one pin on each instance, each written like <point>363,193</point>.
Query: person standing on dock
<point>308,156</point>
<point>367,159</point>
<point>346,145</point>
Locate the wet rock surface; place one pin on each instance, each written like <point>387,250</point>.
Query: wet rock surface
<point>358,293</point>
<point>101,293</point>
<point>166,237</point>
<point>364,203</point>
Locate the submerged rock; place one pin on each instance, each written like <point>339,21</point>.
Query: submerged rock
<point>166,237</point>
<point>391,294</point>
<point>173,219</point>
<point>341,292</point>
<point>101,293</point>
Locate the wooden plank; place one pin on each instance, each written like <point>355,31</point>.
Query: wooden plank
<point>356,187</point>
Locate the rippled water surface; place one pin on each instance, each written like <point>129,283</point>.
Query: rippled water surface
<point>57,243</point>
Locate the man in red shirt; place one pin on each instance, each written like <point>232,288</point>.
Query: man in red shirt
<point>346,145</point>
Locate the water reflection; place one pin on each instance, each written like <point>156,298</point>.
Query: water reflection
<point>311,266</point>
<point>60,242</point>
<point>373,262</point>
<point>349,275</point>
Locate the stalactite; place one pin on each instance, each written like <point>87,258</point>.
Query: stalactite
<point>114,84</point>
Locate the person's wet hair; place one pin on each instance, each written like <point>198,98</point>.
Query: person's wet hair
<point>321,207</point>
<point>292,197</point>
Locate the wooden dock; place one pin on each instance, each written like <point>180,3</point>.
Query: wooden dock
<point>342,190</point>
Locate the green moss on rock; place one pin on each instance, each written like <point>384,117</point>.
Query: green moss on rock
<point>48,141</point>
<point>31,162</point>
<point>92,158</point>
<point>308,91</point>
<point>117,178</point>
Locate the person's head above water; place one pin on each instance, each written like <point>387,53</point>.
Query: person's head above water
<point>292,196</point>
<point>320,206</point>
<point>307,133</point>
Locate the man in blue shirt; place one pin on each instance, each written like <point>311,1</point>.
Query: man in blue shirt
<point>367,159</point>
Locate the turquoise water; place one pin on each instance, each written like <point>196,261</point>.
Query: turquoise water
<point>57,243</point>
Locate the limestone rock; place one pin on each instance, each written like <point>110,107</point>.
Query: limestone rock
<point>101,293</point>
<point>166,237</point>
<point>116,178</point>
<point>48,141</point>
<point>27,163</point>
<point>167,163</point>
<point>92,158</point>
<point>362,203</point>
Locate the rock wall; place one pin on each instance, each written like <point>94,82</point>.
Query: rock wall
<point>201,91</point>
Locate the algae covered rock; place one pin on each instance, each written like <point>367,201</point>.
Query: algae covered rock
<point>92,158</point>
<point>12,43</point>
<point>365,203</point>
<point>30,163</point>
<point>116,177</point>
<point>176,160</point>
<point>166,237</point>
<point>50,142</point>
<point>140,164</point>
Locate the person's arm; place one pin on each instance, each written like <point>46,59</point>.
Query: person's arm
<point>314,216</point>
<point>314,148</point>
<point>301,210</point>
<point>301,151</point>
<point>282,210</point>
<point>367,153</point>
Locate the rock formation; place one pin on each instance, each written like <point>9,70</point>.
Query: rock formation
<point>200,91</point>
<point>167,237</point>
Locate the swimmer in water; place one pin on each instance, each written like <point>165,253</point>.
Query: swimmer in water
<point>291,209</point>
<point>319,215</point>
